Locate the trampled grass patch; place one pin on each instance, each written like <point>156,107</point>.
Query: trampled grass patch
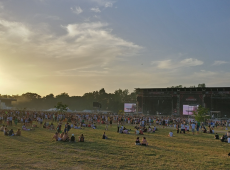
<point>36,150</point>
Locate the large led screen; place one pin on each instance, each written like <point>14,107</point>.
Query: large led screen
<point>188,110</point>
<point>130,107</point>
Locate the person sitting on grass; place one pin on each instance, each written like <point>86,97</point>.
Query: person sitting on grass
<point>136,127</point>
<point>5,132</point>
<point>149,130</point>
<point>93,126</point>
<point>11,132</point>
<point>2,128</point>
<point>76,127</point>
<point>216,136</point>
<point>51,126</point>
<point>81,138</point>
<point>144,142</point>
<point>141,132</point>
<point>224,138</point>
<point>137,141</point>
<point>204,130</point>
<point>18,133</point>
<point>65,137</point>
<point>60,136</point>
<point>104,136</point>
<point>44,125</point>
<point>24,127</point>
<point>55,136</point>
<point>72,139</point>
<point>125,131</point>
<point>212,130</point>
<point>137,132</point>
<point>228,134</point>
<point>145,129</point>
<point>170,134</point>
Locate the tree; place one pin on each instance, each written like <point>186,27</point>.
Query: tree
<point>202,85</point>
<point>201,114</point>
<point>121,112</point>
<point>50,96</point>
<point>63,95</point>
<point>31,96</point>
<point>61,107</point>
<point>179,86</point>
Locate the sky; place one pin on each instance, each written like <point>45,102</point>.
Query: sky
<point>79,46</point>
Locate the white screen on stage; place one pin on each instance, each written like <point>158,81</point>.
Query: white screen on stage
<point>188,110</point>
<point>130,107</point>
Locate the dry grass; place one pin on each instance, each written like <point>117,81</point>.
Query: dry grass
<point>34,150</point>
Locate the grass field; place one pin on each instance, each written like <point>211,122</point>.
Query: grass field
<point>35,150</point>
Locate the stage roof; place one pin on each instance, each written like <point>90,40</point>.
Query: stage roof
<point>187,89</point>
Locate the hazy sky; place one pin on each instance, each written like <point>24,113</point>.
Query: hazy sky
<point>77,46</point>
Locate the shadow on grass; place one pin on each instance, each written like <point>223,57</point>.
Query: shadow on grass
<point>22,138</point>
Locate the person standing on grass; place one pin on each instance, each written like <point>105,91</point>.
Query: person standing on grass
<point>177,128</point>
<point>106,126</point>
<point>41,121</point>
<point>187,129</point>
<point>197,127</point>
<point>16,120</point>
<point>163,123</point>
<point>193,127</point>
<point>182,128</point>
<point>111,122</point>
<point>10,120</point>
<point>118,126</point>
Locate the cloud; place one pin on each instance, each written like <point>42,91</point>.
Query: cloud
<point>77,29</point>
<point>108,4</point>
<point>104,3</point>
<point>14,30</point>
<point>95,10</point>
<point>217,63</point>
<point>91,45</point>
<point>169,64</point>
<point>77,10</point>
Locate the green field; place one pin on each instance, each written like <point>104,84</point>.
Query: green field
<point>35,150</point>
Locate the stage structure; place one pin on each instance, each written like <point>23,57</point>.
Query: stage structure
<point>7,101</point>
<point>183,101</point>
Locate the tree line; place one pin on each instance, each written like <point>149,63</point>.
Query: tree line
<point>109,101</point>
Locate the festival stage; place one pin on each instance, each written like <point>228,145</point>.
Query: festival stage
<point>183,101</point>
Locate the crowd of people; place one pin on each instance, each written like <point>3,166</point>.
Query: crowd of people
<point>142,124</point>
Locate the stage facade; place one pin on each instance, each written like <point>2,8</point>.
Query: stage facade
<point>183,101</point>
